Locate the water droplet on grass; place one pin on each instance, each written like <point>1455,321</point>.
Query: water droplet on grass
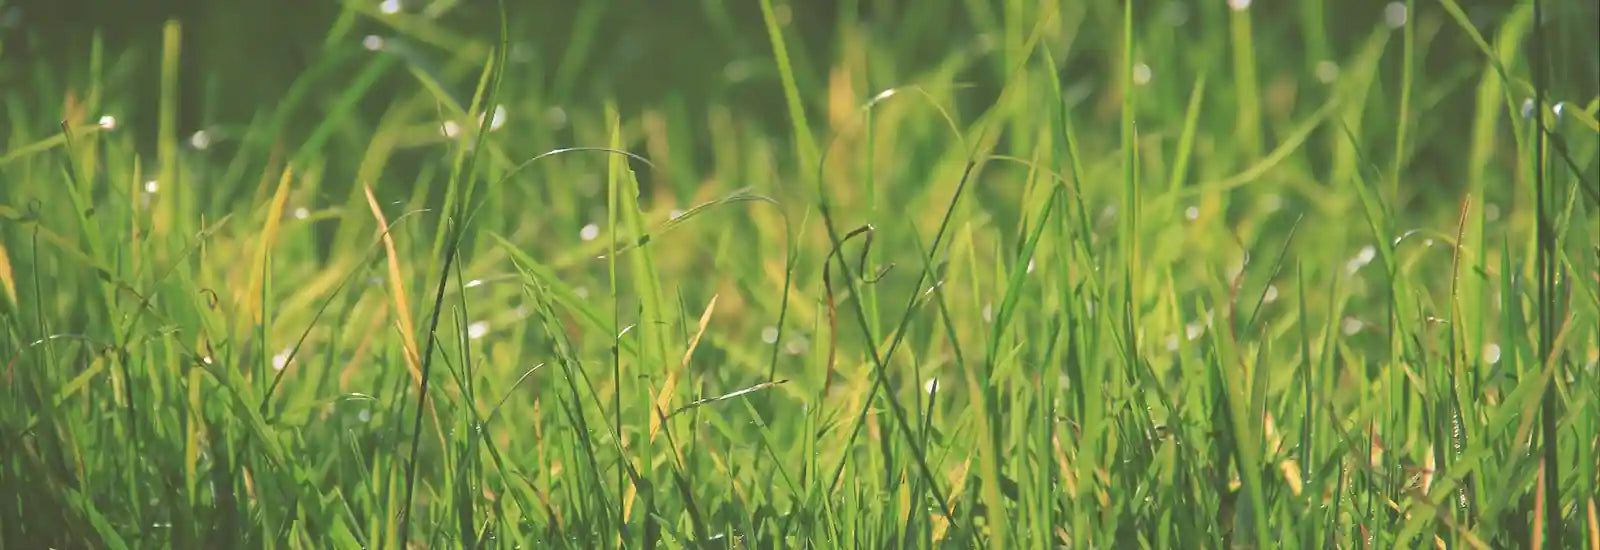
<point>1238,5</point>
<point>589,232</point>
<point>1361,259</point>
<point>1394,15</point>
<point>1327,71</point>
<point>372,42</point>
<point>1352,325</point>
<point>1491,353</point>
<point>1142,74</point>
<point>477,330</point>
<point>108,122</point>
<point>390,7</point>
<point>769,335</point>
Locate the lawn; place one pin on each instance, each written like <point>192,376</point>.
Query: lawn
<point>796,274</point>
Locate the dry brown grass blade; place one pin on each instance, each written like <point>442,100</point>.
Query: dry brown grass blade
<point>397,290</point>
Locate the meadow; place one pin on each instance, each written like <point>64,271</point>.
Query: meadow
<point>793,274</point>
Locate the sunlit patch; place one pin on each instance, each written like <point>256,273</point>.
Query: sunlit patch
<point>389,7</point>
<point>477,330</point>
<point>152,186</point>
<point>797,345</point>
<point>1238,5</point>
<point>1491,353</point>
<point>1394,15</point>
<point>497,120</point>
<point>886,94</point>
<point>769,335</point>
<point>1273,201</point>
<point>1030,266</point>
<point>200,140</point>
<point>1142,74</point>
<point>372,42</point>
<point>450,129</point>
<point>107,122</point>
<point>1175,13</point>
<point>1361,259</point>
<point>555,117</point>
<point>1351,326</point>
<point>738,71</point>
<point>589,232</point>
<point>1194,330</point>
<point>675,214</point>
<point>988,313</point>
<point>475,283</point>
<point>1326,71</point>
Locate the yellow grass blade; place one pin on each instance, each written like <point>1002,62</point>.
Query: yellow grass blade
<point>8,282</point>
<point>397,288</point>
<point>269,235</point>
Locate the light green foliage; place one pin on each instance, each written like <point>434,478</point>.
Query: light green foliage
<point>972,274</point>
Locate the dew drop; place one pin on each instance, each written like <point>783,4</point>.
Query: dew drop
<point>1394,15</point>
<point>390,7</point>
<point>301,213</point>
<point>769,335</point>
<point>108,122</point>
<point>1352,325</point>
<point>1326,71</point>
<point>1491,353</point>
<point>1238,5</point>
<point>200,140</point>
<point>477,330</point>
<point>1142,74</point>
<point>589,232</point>
<point>372,42</point>
<point>1192,213</point>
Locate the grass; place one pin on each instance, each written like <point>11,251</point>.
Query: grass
<point>1008,274</point>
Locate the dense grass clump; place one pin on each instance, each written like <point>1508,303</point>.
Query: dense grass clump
<point>783,274</point>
